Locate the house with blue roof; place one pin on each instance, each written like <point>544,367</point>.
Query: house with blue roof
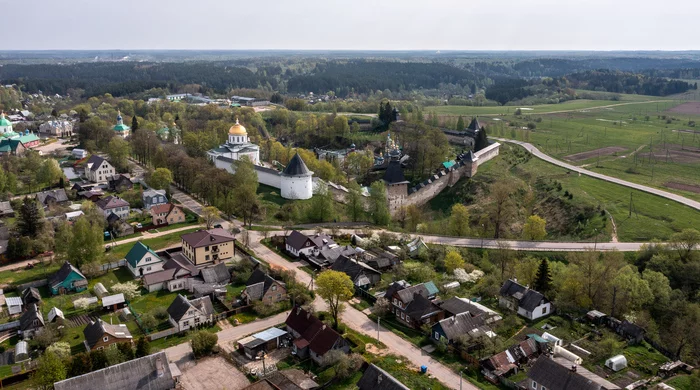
<point>142,260</point>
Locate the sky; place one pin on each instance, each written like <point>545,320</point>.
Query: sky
<point>350,24</point>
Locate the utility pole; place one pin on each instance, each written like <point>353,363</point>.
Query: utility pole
<point>378,320</point>
<point>595,243</point>
<point>460,379</point>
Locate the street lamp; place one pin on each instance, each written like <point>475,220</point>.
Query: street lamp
<point>595,243</point>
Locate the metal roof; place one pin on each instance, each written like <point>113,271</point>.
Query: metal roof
<point>270,334</point>
<point>13,301</point>
<point>113,299</point>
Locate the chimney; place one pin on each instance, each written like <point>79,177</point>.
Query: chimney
<point>454,319</point>
<point>573,368</point>
<point>515,280</point>
<point>379,378</point>
<point>160,371</point>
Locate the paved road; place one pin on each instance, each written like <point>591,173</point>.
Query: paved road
<point>664,194</point>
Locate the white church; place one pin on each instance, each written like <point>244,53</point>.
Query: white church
<point>295,182</point>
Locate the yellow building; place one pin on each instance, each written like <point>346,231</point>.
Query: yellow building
<point>207,246</point>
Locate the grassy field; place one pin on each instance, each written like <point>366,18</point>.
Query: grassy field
<point>154,243</point>
<point>685,382</point>
<point>655,146</point>
<point>22,275</point>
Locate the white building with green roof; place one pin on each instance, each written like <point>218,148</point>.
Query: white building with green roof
<point>142,260</point>
<point>5,125</point>
<point>120,128</point>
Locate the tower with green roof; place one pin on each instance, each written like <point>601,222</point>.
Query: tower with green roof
<point>5,126</point>
<point>120,128</point>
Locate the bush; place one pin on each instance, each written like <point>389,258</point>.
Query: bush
<point>148,321</point>
<point>129,289</point>
<point>160,313</point>
<point>203,343</point>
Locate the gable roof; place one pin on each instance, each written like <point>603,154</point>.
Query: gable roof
<point>353,268</point>
<point>474,125</point>
<point>528,299</point>
<point>406,295</point>
<point>31,295</point>
<point>291,379</point>
<point>207,237</point>
<point>217,274</point>
<point>299,320</point>
<point>456,305</point>
<point>179,307</point>
<point>462,324</point>
<point>297,240</point>
<point>394,173</point>
<point>96,162</point>
<point>150,372</point>
<point>324,340</point>
<point>549,373</point>
<point>59,195</point>
<point>258,283</point>
<point>151,193</point>
<point>164,208</point>
<point>95,330</point>
<point>65,270</point>
<point>203,304</point>
<point>296,167</point>
<point>110,202</point>
<point>137,252</point>
<point>26,321</point>
<point>119,180</point>
<point>421,307</point>
<point>374,378</point>
<point>531,300</point>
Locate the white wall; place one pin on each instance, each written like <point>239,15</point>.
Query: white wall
<point>264,177</point>
<point>297,187</point>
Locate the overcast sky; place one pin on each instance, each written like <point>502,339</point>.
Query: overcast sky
<point>351,24</point>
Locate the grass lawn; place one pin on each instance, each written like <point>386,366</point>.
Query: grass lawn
<point>155,243</point>
<point>175,226</point>
<point>22,275</point>
<point>147,302</point>
<point>243,318</point>
<point>684,382</point>
<point>409,376</point>
<point>176,339</point>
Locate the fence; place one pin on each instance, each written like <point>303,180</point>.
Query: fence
<point>9,325</point>
<point>364,294</point>
<point>113,265</point>
<point>161,334</point>
<point>35,283</point>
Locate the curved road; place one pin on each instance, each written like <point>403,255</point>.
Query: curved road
<point>664,194</point>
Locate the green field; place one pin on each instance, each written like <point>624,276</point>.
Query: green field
<point>655,217</point>
<point>634,129</point>
<point>154,243</point>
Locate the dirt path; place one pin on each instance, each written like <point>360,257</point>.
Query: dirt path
<point>581,109</point>
<point>614,227</point>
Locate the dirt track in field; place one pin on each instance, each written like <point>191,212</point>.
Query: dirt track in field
<point>690,108</point>
<point>610,150</point>
<point>683,187</point>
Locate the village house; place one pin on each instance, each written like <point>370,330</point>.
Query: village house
<point>31,321</point>
<point>559,374</point>
<point>98,170</point>
<point>53,198</point>
<point>153,198</point>
<point>361,274</point>
<point>374,378</point>
<point>67,279</point>
<point>379,259</point>
<point>31,295</point>
<point>326,255</point>
<point>298,243</point>
<point>262,342</point>
<point>79,154</point>
<point>464,325</point>
<point>167,214</point>
<point>119,183</point>
<point>207,246</point>
<point>526,302</point>
<point>56,315</point>
<point>57,128</point>
<point>457,305</point>
<point>263,287</point>
<point>176,269</point>
<point>142,260</point>
<point>413,305</point>
<point>100,335</point>
<point>507,362</point>
<point>289,379</point>
<point>6,210</point>
<point>114,302</point>
<point>152,372</point>
<point>18,144</point>
<point>313,338</point>
<point>114,205</point>
<point>185,314</point>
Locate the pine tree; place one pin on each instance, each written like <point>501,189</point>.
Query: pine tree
<point>460,124</point>
<point>54,113</point>
<point>543,280</point>
<point>481,140</point>
<point>134,123</point>
<point>143,348</point>
<point>29,222</point>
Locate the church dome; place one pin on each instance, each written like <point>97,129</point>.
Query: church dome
<point>237,129</point>
<point>4,121</point>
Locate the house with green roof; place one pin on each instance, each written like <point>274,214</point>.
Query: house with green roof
<point>67,279</point>
<point>17,144</point>
<point>142,260</point>
<point>5,125</point>
<point>120,128</point>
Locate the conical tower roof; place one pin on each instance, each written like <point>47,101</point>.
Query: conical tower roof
<point>474,125</point>
<point>296,167</point>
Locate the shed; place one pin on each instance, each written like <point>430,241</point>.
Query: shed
<point>21,351</point>
<point>100,290</point>
<point>552,339</point>
<point>55,314</point>
<point>266,340</point>
<point>616,363</point>
<point>14,305</point>
<point>114,302</point>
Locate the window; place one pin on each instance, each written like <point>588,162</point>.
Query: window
<point>206,248</point>
<point>206,257</point>
<point>279,296</point>
<point>534,385</point>
<point>99,348</point>
<point>274,288</point>
<point>543,388</point>
<point>148,259</point>
<point>186,323</point>
<point>544,310</point>
<point>105,339</point>
<point>403,316</point>
<point>148,268</point>
<point>437,336</point>
<point>196,320</point>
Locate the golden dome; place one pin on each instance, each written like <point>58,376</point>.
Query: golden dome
<point>237,129</point>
